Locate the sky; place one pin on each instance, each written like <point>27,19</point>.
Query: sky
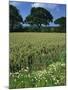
<point>57,10</point>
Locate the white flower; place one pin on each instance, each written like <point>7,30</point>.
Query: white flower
<point>46,80</point>
<point>27,68</point>
<point>10,74</point>
<point>43,54</point>
<point>57,81</point>
<point>36,85</point>
<point>28,75</point>
<point>22,81</point>
<point>54,78</point>
<point>17,73</point>
<point>18,76</point>
<point>21,75</point>
<point>14,80</point>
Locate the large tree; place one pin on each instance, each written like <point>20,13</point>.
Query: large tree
<point>62,23</point>
<point>15,17</point>
<point>39,16</point>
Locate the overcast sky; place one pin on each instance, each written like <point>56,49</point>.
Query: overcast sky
<point>57,10</point>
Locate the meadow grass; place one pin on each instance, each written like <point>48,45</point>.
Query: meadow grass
<point>37,59</point>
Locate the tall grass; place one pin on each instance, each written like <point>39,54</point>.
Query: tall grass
<point>37,52</point>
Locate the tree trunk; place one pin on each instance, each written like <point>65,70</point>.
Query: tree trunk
<point>39,27</point>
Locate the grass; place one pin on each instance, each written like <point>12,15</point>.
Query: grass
<point>36,59</point>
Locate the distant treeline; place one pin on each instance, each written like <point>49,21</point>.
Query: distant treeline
<point>43,29</point>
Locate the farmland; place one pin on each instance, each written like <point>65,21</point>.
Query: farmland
<point>37,59</point>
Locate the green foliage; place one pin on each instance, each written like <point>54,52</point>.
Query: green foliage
<point>53,75</point>
<point>38,19</point>
<point>39,16</point>
<point>15,17</point>
<point>62,22</point>
<point>43,29</point>
<point>35,58</point>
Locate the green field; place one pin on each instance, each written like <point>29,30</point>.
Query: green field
<point>37,60</point>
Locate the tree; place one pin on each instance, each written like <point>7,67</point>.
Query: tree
<point>15,17</point>
<point>62,23</point>
<point>39,16</point>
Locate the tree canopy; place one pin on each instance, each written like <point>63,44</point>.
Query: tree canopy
<point>37,21</point>
<point>39,16</point>
<point>61,21</point>
<point>15,17</point>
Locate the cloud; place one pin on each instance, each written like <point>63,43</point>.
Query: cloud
<point>45,5</point>
<point>14,3</point>
<point>38,5</point>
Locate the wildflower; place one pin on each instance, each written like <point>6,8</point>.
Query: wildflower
<point>35,78</point>
<point>10,74</point>
<point>21,75</point>
<point>26,70</point>
<point>17,73</point>
<point>43,54</point>
<point>22,69</point>
<point>36,85</point>
<point>46,80</point>
<point>57,81</point>
<point>14,80</point>
<point>32,79</point>
<point>62,64</point>
<point>18,76</point>
<point>54,78</point>
<point>28,75</point>
<point>22,81</point>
